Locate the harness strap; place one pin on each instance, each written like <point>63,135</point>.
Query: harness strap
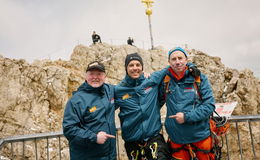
<point>178,149</point>
<point>197,85</point>
<point>192,153</point>
<point>200,150</point>
<point>134,154</point>
<point>154,147</point>
<point>188,147</point>
<point>166,81</point>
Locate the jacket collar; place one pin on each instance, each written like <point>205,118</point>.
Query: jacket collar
<point>130,82</point>
<point>178,77</point>
<point>187,78</point>
<point>87,88</point>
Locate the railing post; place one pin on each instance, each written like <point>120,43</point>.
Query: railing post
<point>227,147</point>
<point>47,139</point>
<point>240,147</point>
<point>35,145</point>
<point>23,149</point>
<point>12,150</point>
<point>59,148</point>
<point>252,140</point>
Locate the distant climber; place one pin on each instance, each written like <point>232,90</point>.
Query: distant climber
<point>130,41</point>
<point>95,38</point>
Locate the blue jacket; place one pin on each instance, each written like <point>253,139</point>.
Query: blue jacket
<point>139,106</point>
<point>89,111</point>
<point>183,97</point>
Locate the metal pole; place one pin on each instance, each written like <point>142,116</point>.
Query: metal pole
<point>12,150</point>
<point>59,148</point>
<point>148,12</point>
<point>239,142</point>
<point>23,149</point>
<point>150,28</point>
<point>47,139</point>
<point>227,147</point>
<point>35,145</point>
<point>252,139</point>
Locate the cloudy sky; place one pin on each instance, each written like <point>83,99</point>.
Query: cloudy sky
<point>39,29</point>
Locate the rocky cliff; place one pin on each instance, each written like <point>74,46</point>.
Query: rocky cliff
<point>33,95</point>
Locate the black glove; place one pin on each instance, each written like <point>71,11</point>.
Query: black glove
<point>194,71</point>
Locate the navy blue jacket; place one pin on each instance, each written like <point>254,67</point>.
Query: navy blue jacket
<point>89,111</point>
<point>139,106</point>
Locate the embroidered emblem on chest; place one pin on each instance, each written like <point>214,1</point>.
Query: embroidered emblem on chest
<point>112,101</point>
<point>126,96</point>
<point>147,89</point>
<point>93,109</point>
<point>189,89</point>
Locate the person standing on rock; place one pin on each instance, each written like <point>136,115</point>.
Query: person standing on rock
<point>138,99</point>
<point>130,41</point>
<point>190,102</point>
<point>96,38</point>
<point>88,122</point>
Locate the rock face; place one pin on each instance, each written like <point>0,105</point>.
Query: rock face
<point>33,96</point>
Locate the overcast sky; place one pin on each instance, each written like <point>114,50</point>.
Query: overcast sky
<point>39,29</point>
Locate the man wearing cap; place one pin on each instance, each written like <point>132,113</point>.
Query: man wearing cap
<point>138,99</point>
<point>88,122</point>
<point>189,102</point>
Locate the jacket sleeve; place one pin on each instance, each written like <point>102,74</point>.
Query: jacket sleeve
<point>116,97</point>
<point>189,64</point>
<point>158,76</point>
<point>206,106</point>
<point>73,130</point>
<point>161,94</point>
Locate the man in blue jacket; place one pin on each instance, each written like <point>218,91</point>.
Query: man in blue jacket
<point>189,102</point>
<point>88,122</point>
<point>139,115</point>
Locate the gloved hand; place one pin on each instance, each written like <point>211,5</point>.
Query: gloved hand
<point>194,71</point>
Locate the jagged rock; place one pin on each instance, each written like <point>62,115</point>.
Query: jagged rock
<point>33,96</point>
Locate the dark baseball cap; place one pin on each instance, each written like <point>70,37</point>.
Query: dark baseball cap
<point>96,66</point>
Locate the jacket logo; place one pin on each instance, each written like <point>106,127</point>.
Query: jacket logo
<point>188,89</point>
<point>112,100</point>
<point>147,89</point>
<point>93,109</point>
<point>126,96</point>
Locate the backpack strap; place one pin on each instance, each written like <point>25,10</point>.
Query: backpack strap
<point>167,79</point>
<point>197,86</point>
<point>166,82</point>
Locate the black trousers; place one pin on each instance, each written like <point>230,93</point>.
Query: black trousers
<point>154,149</point>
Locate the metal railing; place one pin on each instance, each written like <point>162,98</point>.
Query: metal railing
<point>34,138</point>
<point>248,120</point>
<point>7,144</point>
